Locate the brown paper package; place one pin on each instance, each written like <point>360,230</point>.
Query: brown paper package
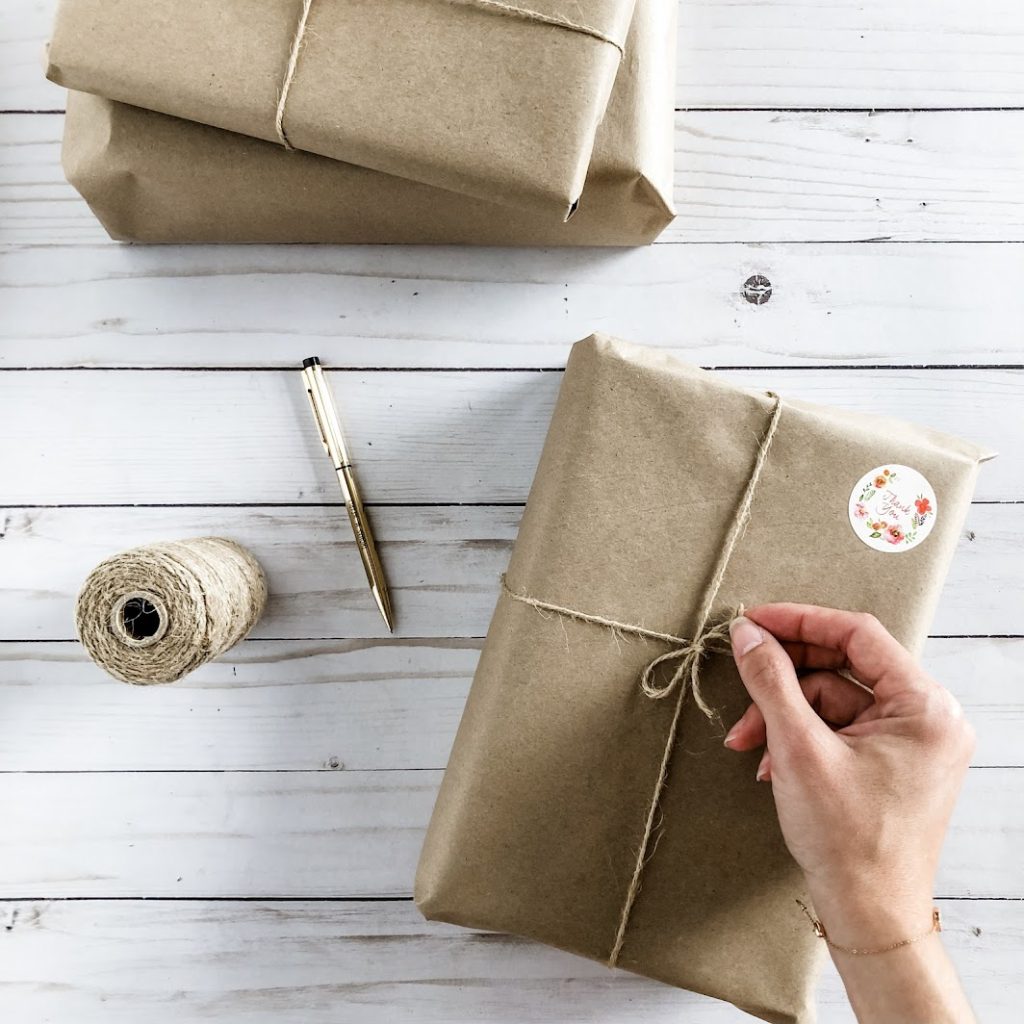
<point>466,95</point>
<point>541,813</point>
<point>153,178</point>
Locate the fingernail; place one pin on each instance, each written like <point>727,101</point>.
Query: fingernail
<point>746,635</point>
<point>762,774</point>
<point>731,735</point>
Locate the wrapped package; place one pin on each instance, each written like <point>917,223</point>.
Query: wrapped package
<point>578,808</point>
<point>491,98</point>
<point>149,177</point>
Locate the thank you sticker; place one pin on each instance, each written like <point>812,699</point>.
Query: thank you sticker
<point>892,508</point>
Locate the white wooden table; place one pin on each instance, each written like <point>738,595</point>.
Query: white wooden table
<point>239,847</point>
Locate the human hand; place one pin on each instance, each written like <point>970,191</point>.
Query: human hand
<point>864,782</point>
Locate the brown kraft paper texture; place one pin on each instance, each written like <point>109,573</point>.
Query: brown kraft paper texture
<point>542,811</point>
<point>495,99</point>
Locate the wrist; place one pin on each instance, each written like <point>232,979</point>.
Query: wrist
<point>873,916</point>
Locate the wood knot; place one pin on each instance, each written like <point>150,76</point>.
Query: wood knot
<point>757,289</point>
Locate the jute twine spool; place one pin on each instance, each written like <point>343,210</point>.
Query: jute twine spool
<point>155,613</point>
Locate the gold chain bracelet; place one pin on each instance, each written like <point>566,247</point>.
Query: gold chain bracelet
<point>819,930</point>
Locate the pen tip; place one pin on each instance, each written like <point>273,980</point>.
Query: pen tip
<point>311,361</point>
<point>384,607</point>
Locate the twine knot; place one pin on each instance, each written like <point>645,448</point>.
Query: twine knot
<point>690,655</point>
<point>689,652</point>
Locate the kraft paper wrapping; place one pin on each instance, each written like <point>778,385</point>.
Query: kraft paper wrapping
<point>541,814</point>
<point>459,94</point>
<point>153,178</point>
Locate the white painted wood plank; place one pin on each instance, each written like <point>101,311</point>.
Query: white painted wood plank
<point>291,705</point>
<point>379,963</point>
<point>387,306</point>
<point>835,176</point>
<point>36,203</point>
<point>24,28</point>
<point>740,176</point>
<point>87,436</point>
<point>214,834</point>
<point>302,834</point>
<point>752,53</point>
<point>309,705</point>
<point>443,566</point>
<point>850,53</point>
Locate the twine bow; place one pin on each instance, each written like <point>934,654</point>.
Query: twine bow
<point>689,653</point>
<point>495,6</point>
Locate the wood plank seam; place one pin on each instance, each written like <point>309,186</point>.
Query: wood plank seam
<point>713,367</point>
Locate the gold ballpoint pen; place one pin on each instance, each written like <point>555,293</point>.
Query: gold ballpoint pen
<point>334,444</point>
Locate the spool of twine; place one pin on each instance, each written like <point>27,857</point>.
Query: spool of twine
<point>155,613</point>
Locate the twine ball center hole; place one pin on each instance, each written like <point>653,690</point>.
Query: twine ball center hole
<point>140,618</point>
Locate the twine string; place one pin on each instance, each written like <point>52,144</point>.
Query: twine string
<point>528,14</point>
<point>199,598</point>
<point>689,653</point>
<point>289,74</point>
<point>497,6</point>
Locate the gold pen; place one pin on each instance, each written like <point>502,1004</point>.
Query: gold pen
<point>334,444</point>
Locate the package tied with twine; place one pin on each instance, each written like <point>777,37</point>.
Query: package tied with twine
<point>589,802</point>
<point>149,177</point>
<point>497,99</point>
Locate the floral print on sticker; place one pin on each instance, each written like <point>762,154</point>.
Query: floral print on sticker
<point>892,508</point>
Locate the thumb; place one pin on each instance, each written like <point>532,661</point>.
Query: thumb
<point>770,678</point>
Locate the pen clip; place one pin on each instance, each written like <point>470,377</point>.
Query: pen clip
<point>316,416</point>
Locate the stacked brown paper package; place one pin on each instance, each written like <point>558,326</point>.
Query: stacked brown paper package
<point>541,816</point>
<point>146,145</point>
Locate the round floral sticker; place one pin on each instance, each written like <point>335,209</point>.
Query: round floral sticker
<point>892,508</point>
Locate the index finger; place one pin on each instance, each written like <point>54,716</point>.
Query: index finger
<point>872,653</point>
